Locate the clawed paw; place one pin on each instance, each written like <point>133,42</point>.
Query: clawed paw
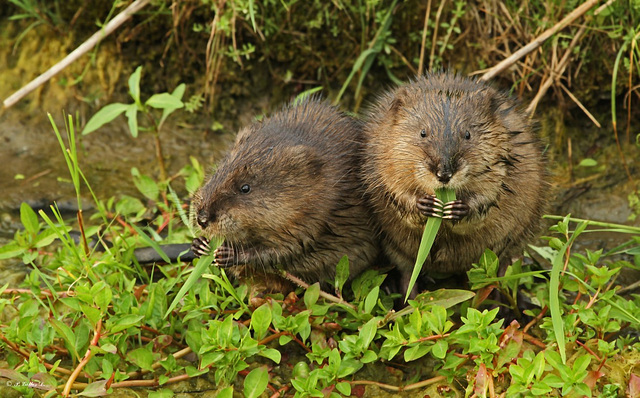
<point>200,246</point>
<point>431,206</point>
<point>224,256</point>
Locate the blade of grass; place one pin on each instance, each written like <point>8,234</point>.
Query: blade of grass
<point>428,237</point>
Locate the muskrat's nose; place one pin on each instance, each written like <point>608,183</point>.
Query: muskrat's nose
<point>203,218</point>
<point>444,175</point>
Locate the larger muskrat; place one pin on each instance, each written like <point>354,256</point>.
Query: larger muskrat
<point>447,131</point>
<point>288,194</point>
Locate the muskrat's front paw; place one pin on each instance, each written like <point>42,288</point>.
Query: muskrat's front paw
<point>430,206</point>
<point>224,256</point>
<point>455,210</point>
<point>200,246</point>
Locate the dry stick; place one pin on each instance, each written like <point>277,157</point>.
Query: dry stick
<point>577,101</point>
<point>424,38</point>
<point>77,53</point>
<point>435,34</point>
<point>323,294</point>
<point>85,360</point>
<point>537,42</point>
<point>555,73</point>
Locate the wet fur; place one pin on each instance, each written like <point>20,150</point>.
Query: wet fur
<point>305,209</point>
<point>499,172</point>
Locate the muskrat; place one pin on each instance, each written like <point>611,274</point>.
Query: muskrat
<point>288,195</point>
<point>446,131</point>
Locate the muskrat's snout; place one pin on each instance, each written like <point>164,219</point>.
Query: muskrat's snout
<point>443,169</point>
<point>444,174</point>
<point>203,218</point>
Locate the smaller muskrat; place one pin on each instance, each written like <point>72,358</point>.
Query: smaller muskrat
<point>288,194</point>
<point>447,131</point>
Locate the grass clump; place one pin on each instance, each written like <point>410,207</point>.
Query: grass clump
<point>89,318</point>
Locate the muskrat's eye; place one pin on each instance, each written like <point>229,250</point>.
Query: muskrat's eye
<point>423,133</point>
<point>467,135</point>
<point>245,188</point>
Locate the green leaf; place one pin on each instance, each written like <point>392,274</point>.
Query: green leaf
<point>123,322</point>
<point>146,185</point>
<point>272,354</point>
<point>95,389</point>
<point>415,352</point>
<point>134,85</point>
<point>226,392</point>
<point>104,116</point>
<point>132,119</point>
<point>368,333</point>
<point>344,388</point>
<point>342,273</point>
<point>311,295</point>
<point>428,237</point>
<point>11,250</point>
<point>29,219</point>
<point>200,267</point>
<point>177,93</point>
<point>554,301</point>
<point>371,300</point>
<point>260,321</point>
<point>587,162</point>
<point>256,382</point>
<point>142,357</point>
<point>164,101</point>
<point>439,349</point>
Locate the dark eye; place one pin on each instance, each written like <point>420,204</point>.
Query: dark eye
<point>245,188</point>
<point>423,133</point>
<point>467,135</point>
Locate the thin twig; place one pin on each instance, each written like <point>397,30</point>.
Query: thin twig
<point>424,38</point>
<point>85,360</point>
<point>77,53</point>
<point>537,42</point>
<point>435,35</point>
<point>556,72</point>
<point>325,295</point>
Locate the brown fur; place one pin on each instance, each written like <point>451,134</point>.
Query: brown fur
<point>499,172</point>
<point>305,209</point>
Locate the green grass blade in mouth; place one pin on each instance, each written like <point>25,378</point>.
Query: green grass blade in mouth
<point>428,237</point>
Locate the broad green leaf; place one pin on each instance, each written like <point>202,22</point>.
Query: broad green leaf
<point>95,389</point>
<point>272,354</point>
<point>260,321</point>
<point>226,392</point>
<point>146,185</point>
<point>11,250</point>
<point>371,300</point>
<point>177,93</point>
<point>143,357</point>
<point>428,237</point>
<point>164,101</point>
<point>29,219</point>
<point>132,119</point>
<point>344,388</point>
<point>104,116</point>
<point>311,295</point>
<point>201,266</point>
<point>256,382</point>
<point>439,349</point>
<point>588,162</point>
<point>134,85</point>
<point>124,322</point>
<point>368,333</point>
<point>342,273</point>
<point>415,352</point>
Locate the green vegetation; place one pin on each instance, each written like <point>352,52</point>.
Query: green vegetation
<point>90,318</point>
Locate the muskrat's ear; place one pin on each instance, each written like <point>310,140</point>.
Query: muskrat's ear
<point>303,157</point>
<point>397,103</point>
<point>509,114</point>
